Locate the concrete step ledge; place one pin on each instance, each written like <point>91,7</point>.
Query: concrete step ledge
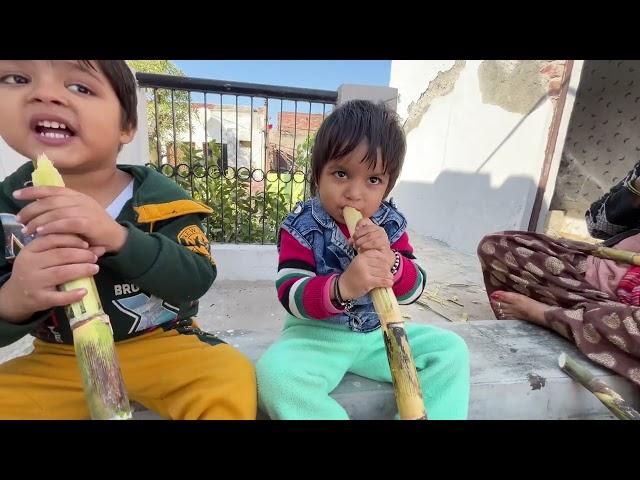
<point>514,375</point>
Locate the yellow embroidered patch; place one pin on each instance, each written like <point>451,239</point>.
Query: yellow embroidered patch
<point>195,240</point>
<point>155,212</point>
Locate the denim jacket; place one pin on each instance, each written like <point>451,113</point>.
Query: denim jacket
<point>314,228</point>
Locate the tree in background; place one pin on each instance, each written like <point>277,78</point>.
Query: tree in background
<point>165,128</point>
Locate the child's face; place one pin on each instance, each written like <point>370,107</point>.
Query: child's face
<point>348,181</point>
<point>63,109</point>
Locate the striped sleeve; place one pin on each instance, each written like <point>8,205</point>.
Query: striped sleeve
<point>410,279</point>
<point>300,291</point>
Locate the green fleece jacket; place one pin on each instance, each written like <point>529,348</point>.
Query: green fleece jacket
<point>156,278</point>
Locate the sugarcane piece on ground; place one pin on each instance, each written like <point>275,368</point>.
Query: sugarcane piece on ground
<point>609,397</point>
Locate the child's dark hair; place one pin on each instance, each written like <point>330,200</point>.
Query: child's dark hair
<point>350,124</point>
<point>122,81</point>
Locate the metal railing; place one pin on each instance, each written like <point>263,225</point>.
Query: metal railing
<point>246,155</point>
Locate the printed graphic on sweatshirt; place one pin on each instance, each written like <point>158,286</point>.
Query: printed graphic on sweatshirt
<point>195,240</point>
<point>14,240</point>
<point>147,311</point>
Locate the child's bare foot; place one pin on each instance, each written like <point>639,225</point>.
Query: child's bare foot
<point>509,305</point>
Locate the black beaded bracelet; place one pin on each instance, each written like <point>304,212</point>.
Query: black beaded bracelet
<point>396,264</point>
<point>346,304</point>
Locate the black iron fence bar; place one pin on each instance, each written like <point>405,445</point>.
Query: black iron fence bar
<point>279,156</point>
<point>279,169</point>
<point>175,141</point>
<point>190,146</point>
<point>153,80</point>
<point>155,111</point>
<point>266,157</point>
<point>308,162</point>
<point>222,167</point>
<point>293,156</point>
<point>251,166</point>
<point>206,156</point>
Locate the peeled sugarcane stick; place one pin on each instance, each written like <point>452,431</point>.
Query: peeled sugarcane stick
<point>622,256</point>
<point>403,369</point>
<point>92,334</point>
<point>611,399</point>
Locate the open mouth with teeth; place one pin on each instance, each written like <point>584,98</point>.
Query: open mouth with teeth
<point>51,129</point>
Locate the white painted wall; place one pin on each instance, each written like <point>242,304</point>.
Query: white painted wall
<point>137,152</point>
<point>245,262</point>
<point>471,168</point>
<point>10,160</point>
<point>411,75</point>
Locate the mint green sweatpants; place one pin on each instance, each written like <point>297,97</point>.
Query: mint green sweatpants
<point>299,371</point>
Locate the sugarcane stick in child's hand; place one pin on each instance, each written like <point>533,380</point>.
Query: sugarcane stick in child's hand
<point>611,399</point>
<point>403,370</point>
<point>92,334</point>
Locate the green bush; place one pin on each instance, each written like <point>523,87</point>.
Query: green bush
<point>240,214</point>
